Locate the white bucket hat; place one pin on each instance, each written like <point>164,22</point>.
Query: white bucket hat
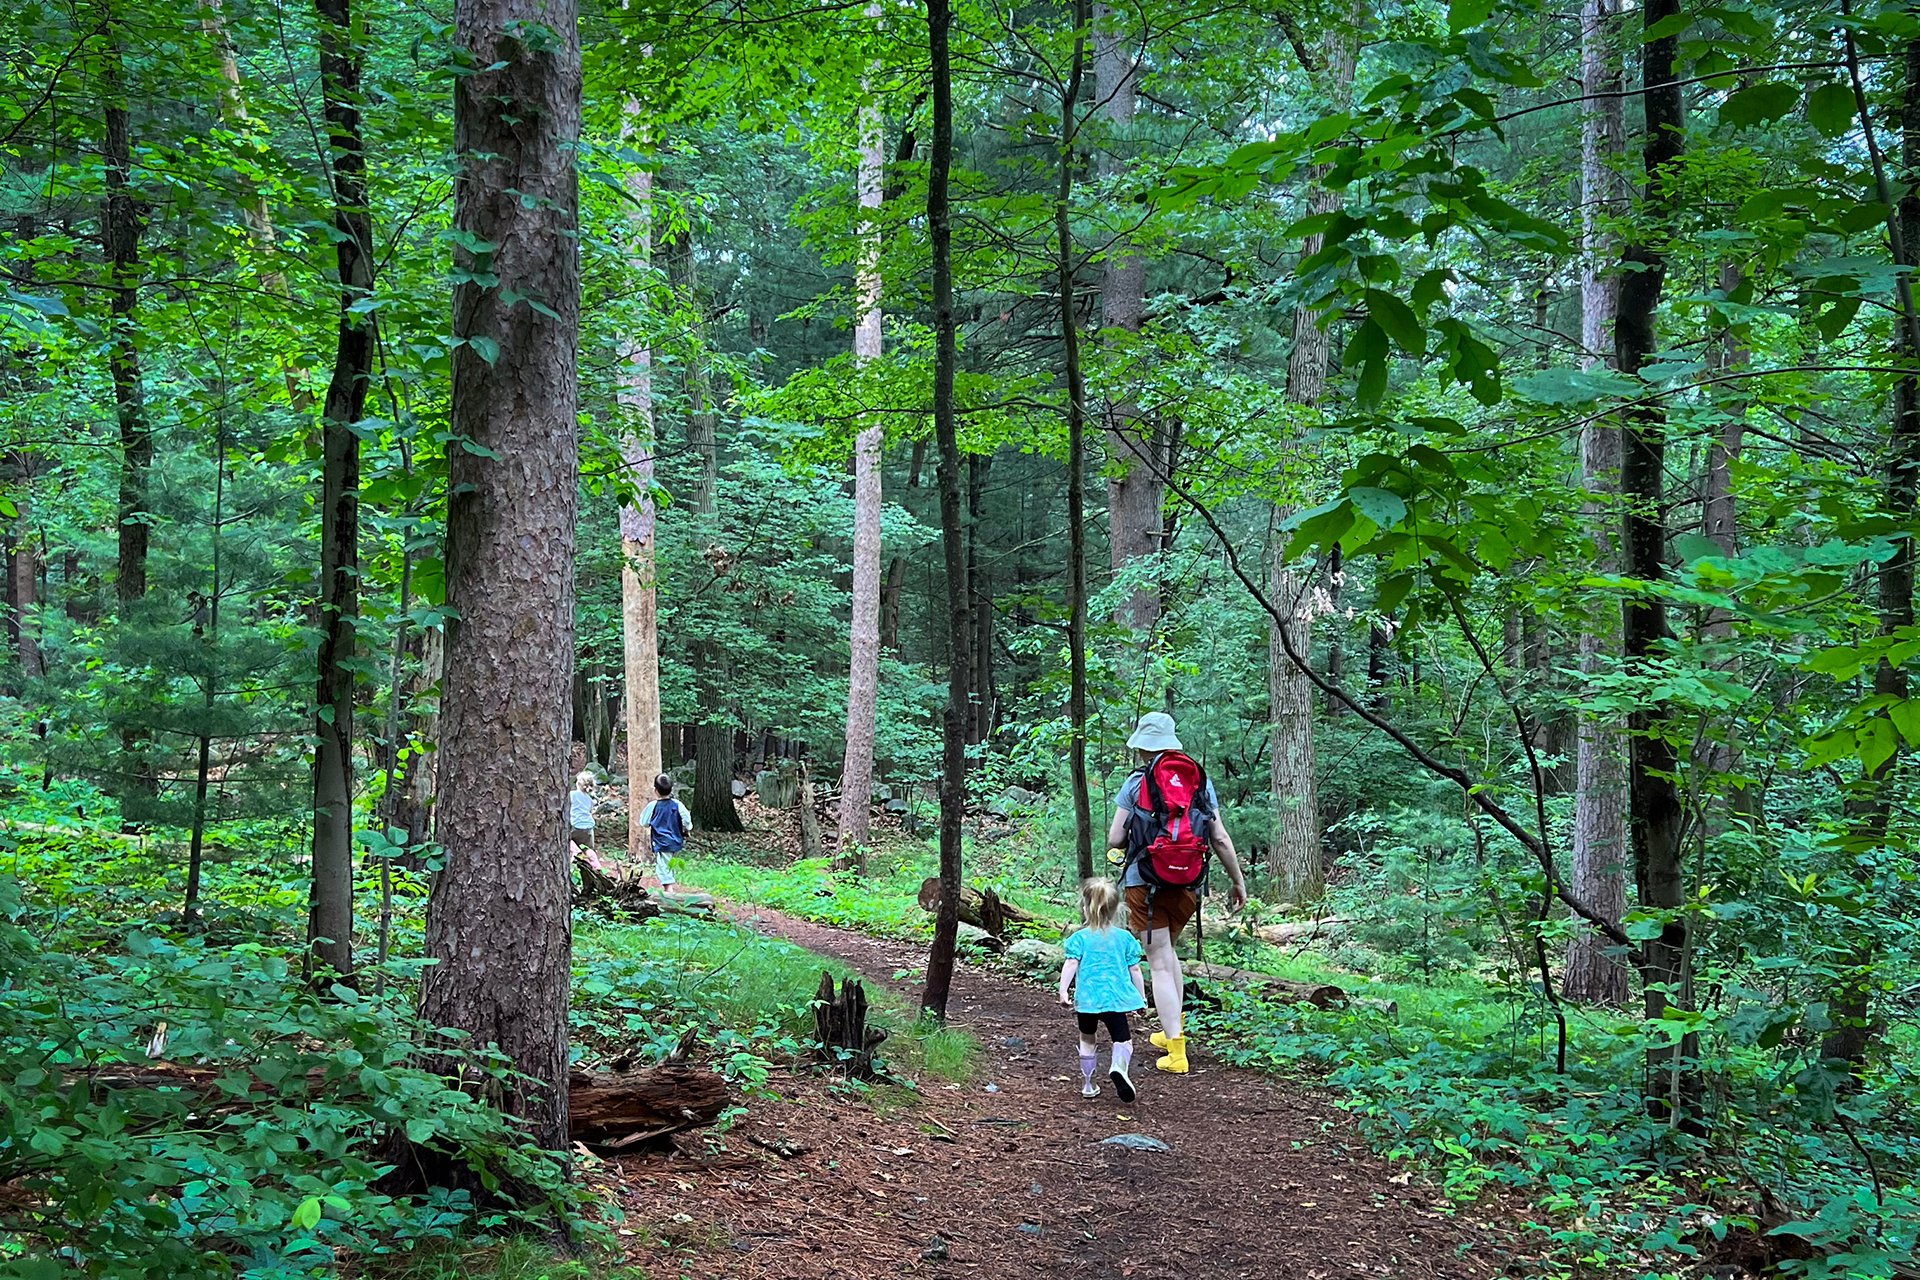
<point>1154,733</point>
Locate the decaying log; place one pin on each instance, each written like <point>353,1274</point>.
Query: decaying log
<point>602,891</point>
<point>619,1110</point>
<point>1318,994</point>
<point>840,1025</point>
<point>1290,933</point>
<point>608,1109</point>
<point>975,908</point>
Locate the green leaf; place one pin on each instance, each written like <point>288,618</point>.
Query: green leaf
<point>1906,718</point>
<point>1759,103</point>
<point>1378,505</point>
<point>1398,320</point>
<point>1462,14</point>
<point>1369,351</point>
<point>307,1216</point>
<point>1830,109</point>
<point>1875,744</point>
<point>486,348</point>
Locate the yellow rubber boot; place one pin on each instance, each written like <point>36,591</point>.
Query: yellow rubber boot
<point>1158,1040</point>
<point>1176,1059</point>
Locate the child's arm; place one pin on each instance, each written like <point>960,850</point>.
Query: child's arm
<point>1067,971</point>
<point>1139,981</point>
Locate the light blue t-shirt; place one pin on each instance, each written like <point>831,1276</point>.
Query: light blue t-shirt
<point>1205,813</point>
<point>1103,984</point>
<point>580,810</point>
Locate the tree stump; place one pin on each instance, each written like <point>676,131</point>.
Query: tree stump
<point>811,844</point>
<point>603,892</point>
<point>847,1043</point>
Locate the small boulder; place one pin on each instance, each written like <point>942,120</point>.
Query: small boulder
<point>740,789</point>
<point>974,936</point>
<point>1035,955</point>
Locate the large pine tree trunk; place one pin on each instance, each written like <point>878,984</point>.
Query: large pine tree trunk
<point>639,598</point>
<point>1076,459</point>
<point>863,668</point>
<point>330,914</point>
<point>1297,872</point>
<point>1654,813</point>
<point>1600,752</point>
<point>1136,489</point>
<point>498,922</point>
<point>953,756</point>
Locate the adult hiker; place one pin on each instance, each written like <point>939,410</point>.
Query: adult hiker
<point>1166,820</point>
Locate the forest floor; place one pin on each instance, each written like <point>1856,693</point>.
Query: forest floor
<point>1005,1176</point>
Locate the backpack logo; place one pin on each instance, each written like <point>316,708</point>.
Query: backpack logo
<point>669,834</point>
<point>1169,843</point>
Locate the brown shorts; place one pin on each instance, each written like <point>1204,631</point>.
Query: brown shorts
<point>1172,908</point>
<point>583,836</point>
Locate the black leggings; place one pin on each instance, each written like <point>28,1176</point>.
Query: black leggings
<point>1116,1025</point>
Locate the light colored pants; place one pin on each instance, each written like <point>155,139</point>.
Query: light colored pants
<point>662,866</point>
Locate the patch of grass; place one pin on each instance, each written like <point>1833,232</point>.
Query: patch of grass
<point>945,1053</point>
<point>509,1260</point>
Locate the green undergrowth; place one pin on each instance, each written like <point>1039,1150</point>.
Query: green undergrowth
<point>519,1259</point>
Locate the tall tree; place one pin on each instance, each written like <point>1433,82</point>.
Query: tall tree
<point>330,914</point>
<point>639,596</point>
<point>1135,483</point>
<point>1654,811</point>
<point>953,755</point>
<point>122,219</point>
<point>1076,451</point>
<point>1600,780</point>
<point>1297,871</point>
<point>498,925</point>
<point>863,670</point>
<point>713,807</point>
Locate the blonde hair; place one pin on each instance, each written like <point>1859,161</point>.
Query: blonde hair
<point>582,780</point>
<point>1099,902</point>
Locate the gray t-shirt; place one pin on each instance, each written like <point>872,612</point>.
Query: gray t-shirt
<point>1206,811</point>
<point>580,810</point>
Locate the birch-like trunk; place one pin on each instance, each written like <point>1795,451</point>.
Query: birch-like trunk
<point>863,669</point>
<point>1600,752</point>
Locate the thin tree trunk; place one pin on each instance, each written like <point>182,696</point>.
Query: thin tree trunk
<point>1600,751</point>
<point>1297,871</point>
<point>122,218</point>
<point>330,915</point>
<point>980,589</point>
<point>1852,1003</point>
<point>23,576</point>
<point>208,632</point>
<point>1076,459</point>
<point>897,566</point>
<point>498,923</point>
<point>1135,486</point>
<point>639,599</point>
<point>863,668</point>
<point>953,756</point>
<point>1654,809</point>
<point>391,799</point>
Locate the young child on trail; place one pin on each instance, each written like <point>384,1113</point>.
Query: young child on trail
<point>667,822</point>
<point>1103,971</point>
<point>580,812</point>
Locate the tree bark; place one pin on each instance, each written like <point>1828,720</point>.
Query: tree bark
<point>953,756</point>
<point>23,582</point>
<point>498,921</point>
<point>122,219</point>
<point>1297,872</point>
<point>1852,1003</point>
<point>980,590</point>
<point>1135,485</point>
<point>1600,752</point>
<point>639,599</point>
<point>330,910</point>
<point>863,668</point>
<point>1076,456</point>
<point>1654,813</point>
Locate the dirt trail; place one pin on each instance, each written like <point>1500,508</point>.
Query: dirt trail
<point>1264,1179</point>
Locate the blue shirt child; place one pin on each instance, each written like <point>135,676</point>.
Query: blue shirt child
<point>1103,983</point>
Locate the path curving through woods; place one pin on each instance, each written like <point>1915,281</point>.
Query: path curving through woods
<point>1264,1180</point>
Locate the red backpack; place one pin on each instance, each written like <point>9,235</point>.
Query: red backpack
<point>1164,839</point>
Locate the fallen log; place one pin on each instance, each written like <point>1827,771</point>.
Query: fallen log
<point>1288,934</point>
<point>607,1109</point>
<point>620,1109</point>
<point>1320,995</point>
<point>976,908</point>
